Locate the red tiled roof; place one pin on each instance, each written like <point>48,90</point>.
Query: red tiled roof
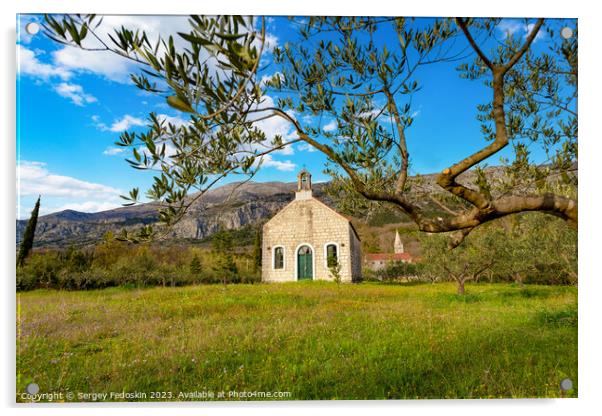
<point>388,256</point>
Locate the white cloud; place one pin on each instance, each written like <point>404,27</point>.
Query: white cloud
<point>99,124</point>
<point>112,151</point>
<point>34,178</point>
<point>69,61</point>
<point>116,68</point>
<point>540,35</point>
<point>175,120</point>
<point>126,122</point>
<point>61,192</point>
<point>153,25</point>
<point>510,27</point>
<point>266,78</point>
<point>306,147</point>
<point>271,41</point>
<point>286,166</point>
<point>374,113</point>
<point>275,126</point>
<point>108,64</point>
<point>105,64</point>
<point>29,64</point>
<point>88,206</point>
<point>74,92</point>
<point>331,126</point>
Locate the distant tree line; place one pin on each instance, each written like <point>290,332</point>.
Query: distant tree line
<point>523,249</point>
<point>116,263</point>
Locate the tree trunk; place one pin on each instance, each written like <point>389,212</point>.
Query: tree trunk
<point>518,278</point>
<point>460,287</point>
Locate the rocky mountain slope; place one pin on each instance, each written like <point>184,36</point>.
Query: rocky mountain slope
<point>233,206</point>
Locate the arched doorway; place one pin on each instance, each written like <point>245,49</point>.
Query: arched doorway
<point>305,263</point>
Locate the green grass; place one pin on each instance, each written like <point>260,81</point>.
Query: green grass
<point>314,340</point>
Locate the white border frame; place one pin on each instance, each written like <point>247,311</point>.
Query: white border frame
<point>590,362</point>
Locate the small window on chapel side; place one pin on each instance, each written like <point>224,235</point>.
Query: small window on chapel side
<point>279,258</point>
<point>331,255</point>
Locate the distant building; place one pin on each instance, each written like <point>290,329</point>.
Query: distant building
<point>379,261</point>
<point>300,239</point>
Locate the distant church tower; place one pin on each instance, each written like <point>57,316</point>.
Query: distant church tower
<point>398,246</point>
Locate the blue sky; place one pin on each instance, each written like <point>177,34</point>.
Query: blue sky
<point>72,106</point>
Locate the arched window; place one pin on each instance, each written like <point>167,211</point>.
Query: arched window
<point>332,254</point>
<point>279,257</point>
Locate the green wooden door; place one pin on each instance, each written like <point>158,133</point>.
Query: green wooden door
<point>305,263</point>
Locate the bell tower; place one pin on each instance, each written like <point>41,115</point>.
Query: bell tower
<point>398,246</point>
<point>303,185</point>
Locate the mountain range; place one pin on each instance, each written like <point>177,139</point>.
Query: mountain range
<point>231,206</point>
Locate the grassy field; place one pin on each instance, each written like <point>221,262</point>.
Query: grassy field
<point>313,340</point>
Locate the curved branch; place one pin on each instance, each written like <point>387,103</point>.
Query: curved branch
<point>559,206</point>
<point>458,237</point>
<point>447,178</point>
<point>462,23</point>
<point>359,185</point>
<point>402,145</point>
<point>519,54</point>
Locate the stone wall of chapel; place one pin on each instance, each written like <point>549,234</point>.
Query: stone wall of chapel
<point>356,256</point>
<point>307,222</point>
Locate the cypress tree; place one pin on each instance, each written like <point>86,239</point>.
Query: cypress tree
<point>28,235</point>
<point>195,265</point>
<point>224,264</point>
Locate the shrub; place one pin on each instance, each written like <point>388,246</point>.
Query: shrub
<point>41,270</point>
<point>394,271</point>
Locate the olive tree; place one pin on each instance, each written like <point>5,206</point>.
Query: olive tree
<point>339,69</point>
<point>469,260</point>
<point>522,248</point>
<point>536,249</point>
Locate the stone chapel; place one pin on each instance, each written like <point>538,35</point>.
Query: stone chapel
<point>305,236</point>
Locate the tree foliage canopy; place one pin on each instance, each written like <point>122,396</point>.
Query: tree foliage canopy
<point>339,70</point>
<point>523,248</point>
